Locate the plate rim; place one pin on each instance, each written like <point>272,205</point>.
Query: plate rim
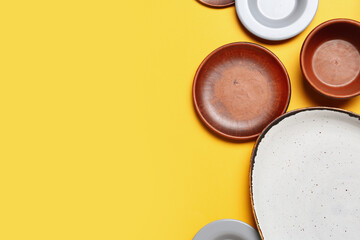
<point>262,135</point>
<point>226,220</point>
<point>197,109</point>
<point>241,7</point>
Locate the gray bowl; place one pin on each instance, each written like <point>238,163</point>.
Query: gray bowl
<point>227,229</point>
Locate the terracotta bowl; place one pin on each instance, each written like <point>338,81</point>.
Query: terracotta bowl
<point>239,89</point>
<point>217,3</point>
<point>330,58</point>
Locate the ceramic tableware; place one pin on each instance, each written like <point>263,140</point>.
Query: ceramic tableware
<point>217,3</point>
<point>227,229</point>
<point>330,58</point>
<point>276,19</point>
<point>305,176</point>
<point>239,89</point>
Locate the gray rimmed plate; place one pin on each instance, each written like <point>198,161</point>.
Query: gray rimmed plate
<point>227,229</point>
<point>276,19</point>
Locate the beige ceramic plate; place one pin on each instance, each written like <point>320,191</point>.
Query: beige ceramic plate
<point>305,176</point>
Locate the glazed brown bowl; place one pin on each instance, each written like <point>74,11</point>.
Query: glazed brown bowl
<point>330,58</point>
<point>239,89</point>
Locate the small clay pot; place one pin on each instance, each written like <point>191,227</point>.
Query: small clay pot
<point>330,58</point>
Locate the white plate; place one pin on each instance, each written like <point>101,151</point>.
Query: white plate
<point>227,229</point>
<point>276,19</point>
<point>305,177</point>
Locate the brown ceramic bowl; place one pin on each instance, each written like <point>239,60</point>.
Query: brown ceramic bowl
<point>239,89</point>
<point>217,3</point>
<point>330,58</point>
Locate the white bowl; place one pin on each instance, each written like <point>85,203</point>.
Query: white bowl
<point>276,19</point>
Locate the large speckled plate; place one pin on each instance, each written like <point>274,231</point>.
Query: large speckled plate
<point>305,176</point>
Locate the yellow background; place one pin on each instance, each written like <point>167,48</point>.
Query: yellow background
<point>98,135</point>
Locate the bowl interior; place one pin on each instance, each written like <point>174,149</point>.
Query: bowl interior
<point>228,237</point>
<point>330,58</point>
<point>277,14</point>
<point>239,89</point>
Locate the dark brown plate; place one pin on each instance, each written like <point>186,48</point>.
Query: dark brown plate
<point>217,3</point>
<point>239,89</point>
<point>330,58</point>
